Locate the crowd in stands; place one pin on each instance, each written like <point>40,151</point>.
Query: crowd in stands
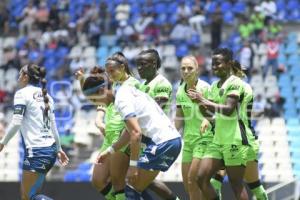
<point>48,32</point>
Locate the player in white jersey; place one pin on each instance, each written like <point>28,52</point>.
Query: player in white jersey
<point>34,118</point>
<point>146,123</point>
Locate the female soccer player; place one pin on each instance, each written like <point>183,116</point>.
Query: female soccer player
<point>146,122</point>
<point>189,117</point>
<point>34,117</point>
<point>230,143</point>
<point>109,176</point>
<point>160,89</point>
<point>251,174</point>
<point>156,85</point>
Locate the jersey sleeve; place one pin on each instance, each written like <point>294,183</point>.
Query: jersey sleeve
<point>234,89</point>
<point>125,102</point>
<point>163,90</point>
<point>19,103</point>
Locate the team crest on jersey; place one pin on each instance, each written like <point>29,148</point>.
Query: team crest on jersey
<point>38,96</point>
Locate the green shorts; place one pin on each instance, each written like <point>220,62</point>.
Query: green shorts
<point>253,151</point>
<point>109,139</point>
<point>193,148</point>
<point>232,155</point>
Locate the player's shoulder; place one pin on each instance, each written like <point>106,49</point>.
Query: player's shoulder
<point>161,80</point>
<point>202,84</point>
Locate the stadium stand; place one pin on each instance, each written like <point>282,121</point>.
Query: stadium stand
<point>68,42</point>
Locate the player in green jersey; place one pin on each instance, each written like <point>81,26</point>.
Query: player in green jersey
<point>251,174</point>
<point>230,143</point>
<point>160,89</point>
<point>156,85</point>
<point>189,117</point>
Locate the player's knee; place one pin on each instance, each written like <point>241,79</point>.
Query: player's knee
<point>98,183</point>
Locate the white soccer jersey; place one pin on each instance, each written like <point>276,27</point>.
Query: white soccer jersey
<point>35,128</point>
<point>155,125</point>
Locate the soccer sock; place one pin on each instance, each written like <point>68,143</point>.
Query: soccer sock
<point>258,190</point>
<point>120,195</point>
<point>107,192</point>
<point>40,197</point>
<point>146,195</point>
<point>131,193</point>
<point>217,183</point>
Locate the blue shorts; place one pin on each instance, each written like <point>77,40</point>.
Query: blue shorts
<point>40,159</point>
<point>161,156</point>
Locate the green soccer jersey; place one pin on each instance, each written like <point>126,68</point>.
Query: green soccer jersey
<point>191,112</point>
<point>113,120</point>
<point>245,110</point>
<point>228,129</point>
<point>159,87</point>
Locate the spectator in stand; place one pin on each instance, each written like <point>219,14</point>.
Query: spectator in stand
<point>105,17</point>
<point>216,28</point>
<point>274,106</point>
<point>42,16</point>
<point>4,16</point>
<point>182,31</point>
<point>246,28</point>
<point>245,58</point>
<point>143,21</point>
<point>122,11</point>
<point>27,19</point>
<point>257,19</point>
<point>272,55</point>
<point>164,36</point>
<point>183,10</point>
<point>54,17</point>
<point>126,33</point>
<point>273,28</point>
<point>268,9</point>
<point>197,20</point>
<point>94,30</point>
<point>151,33</point>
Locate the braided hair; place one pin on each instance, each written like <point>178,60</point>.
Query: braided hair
<point>37,75</point>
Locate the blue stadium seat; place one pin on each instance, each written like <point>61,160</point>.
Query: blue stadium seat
<point>102,52</point>
<point>114,49</point>
<point>226,6</point>
<point>182,50</point>
<point>239,7</point>
<point>84,166</point>
<point>172,7</point>
<point>290,113</point>
<point>108,40</point>
<point>280,4</point>
<point>292,4</point>
<point>160,8</point>
<point>291,48</point>
<point>228,17</point>
<point>298,102</point>
<point>295,70</point>
<point>289,105</point>
<point>293,122</point>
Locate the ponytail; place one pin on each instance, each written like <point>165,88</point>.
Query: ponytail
<point>43,81</point>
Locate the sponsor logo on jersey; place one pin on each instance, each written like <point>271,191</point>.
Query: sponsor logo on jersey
<point>38,96</point>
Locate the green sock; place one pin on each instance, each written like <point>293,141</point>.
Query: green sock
<point>217,185</point>
<point>120,195</point>
<point>260,193</point>
<point>110,195</point>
